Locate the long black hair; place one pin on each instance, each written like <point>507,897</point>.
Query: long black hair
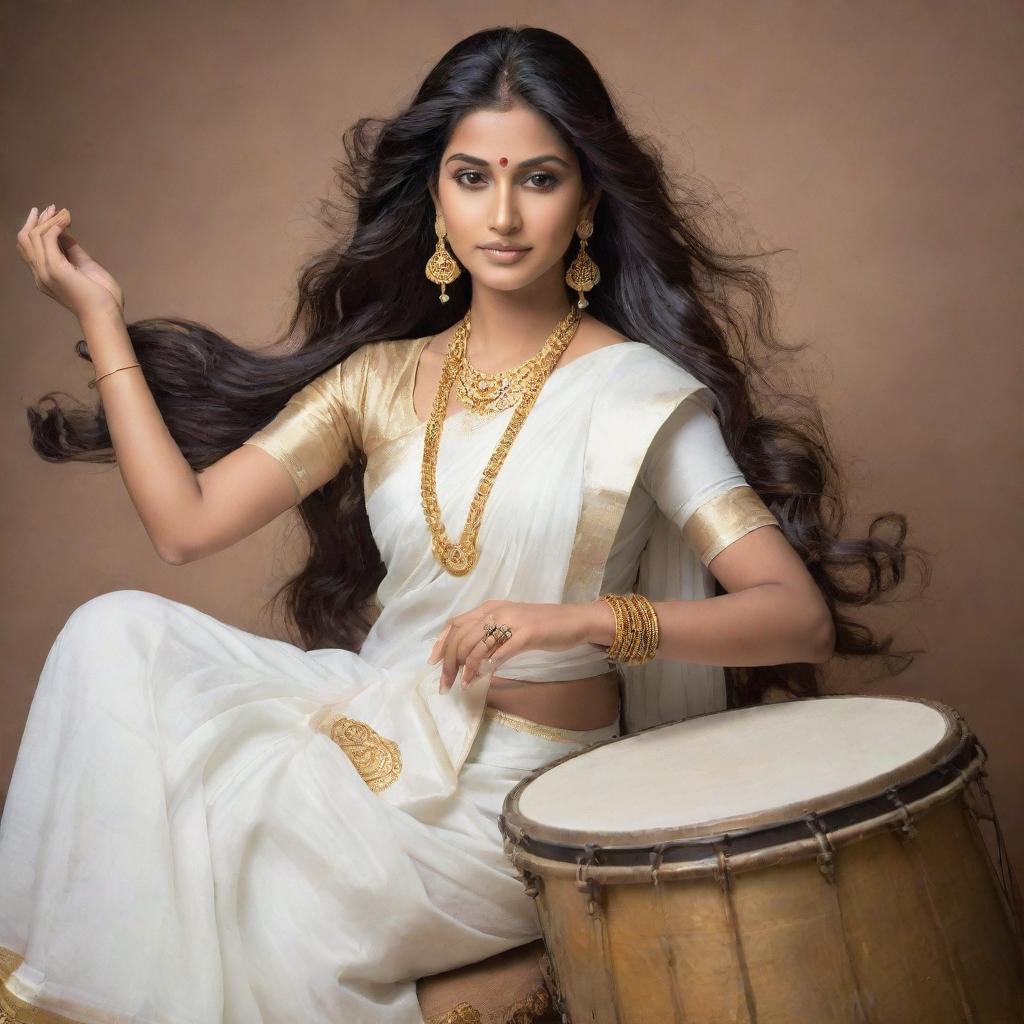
<point>663,281</point>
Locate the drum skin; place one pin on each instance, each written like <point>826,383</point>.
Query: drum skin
<point>900,921</point>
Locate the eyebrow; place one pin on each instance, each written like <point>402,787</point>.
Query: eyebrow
<point>532,162</point>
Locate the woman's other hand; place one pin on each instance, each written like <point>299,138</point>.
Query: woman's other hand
<point>63,269</point>
<point>534,626</point>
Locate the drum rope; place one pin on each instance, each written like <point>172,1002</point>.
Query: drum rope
<point>907,833</point>
<point>826,864</point>
<point>724,878</point>
<point>599,926</point>
<point>1007,878</point>
<point>678,1004</point>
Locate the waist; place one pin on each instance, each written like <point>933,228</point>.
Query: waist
<point>575,704</point>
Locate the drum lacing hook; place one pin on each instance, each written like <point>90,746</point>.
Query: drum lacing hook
<point>528,879</point>
<point>722,869</point>
<point>907,827</point>
<point>587,885</point>
<point>988,812</point>
<point>655,857</point>
<point>825,859</point>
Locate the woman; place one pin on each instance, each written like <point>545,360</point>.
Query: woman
<point>532,503</point>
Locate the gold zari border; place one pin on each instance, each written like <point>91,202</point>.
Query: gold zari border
<point>520,724</point>
<point>14,1010</point>
<point>725,518</point>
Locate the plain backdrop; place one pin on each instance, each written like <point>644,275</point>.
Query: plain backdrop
<point>878,142</point>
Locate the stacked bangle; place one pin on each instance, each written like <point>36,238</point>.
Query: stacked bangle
<point>636,628</point>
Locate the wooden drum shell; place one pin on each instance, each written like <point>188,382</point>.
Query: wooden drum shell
<point>898,919</point>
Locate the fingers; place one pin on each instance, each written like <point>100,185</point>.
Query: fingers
<point>32,245</point>
<point>451,657</point>
<point>54,258</point>
<point>479,658</point>
<point>517,643</point>
<point>438,643</point>
<point>29,248</point>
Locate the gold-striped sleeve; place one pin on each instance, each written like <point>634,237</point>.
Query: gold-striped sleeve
<point>725,518</point>
<point>316,432</point>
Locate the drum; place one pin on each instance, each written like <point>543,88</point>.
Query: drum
<point>815,860</point>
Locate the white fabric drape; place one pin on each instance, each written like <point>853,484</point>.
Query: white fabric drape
<point>184,843</point>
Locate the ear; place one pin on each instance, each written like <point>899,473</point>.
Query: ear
<point>433,196</point>
<point>589,205</point>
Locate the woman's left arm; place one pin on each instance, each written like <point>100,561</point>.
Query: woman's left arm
<point>772,614</point>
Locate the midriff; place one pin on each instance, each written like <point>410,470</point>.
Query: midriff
<point>590,703</point>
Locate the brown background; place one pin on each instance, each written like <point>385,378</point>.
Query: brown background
<point>879,142</point>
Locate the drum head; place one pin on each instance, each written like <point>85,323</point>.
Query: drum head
<point>750,767</point>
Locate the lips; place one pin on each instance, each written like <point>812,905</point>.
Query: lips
<point>504,248</point>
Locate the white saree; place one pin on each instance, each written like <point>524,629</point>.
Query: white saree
<point>207,826</point>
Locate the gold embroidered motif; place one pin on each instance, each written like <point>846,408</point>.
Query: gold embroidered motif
<point>522,1011</point>
<point>460,1013</point>
<point>377,759</point>
<point>527,1010</point>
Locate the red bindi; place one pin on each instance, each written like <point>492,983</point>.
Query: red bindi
<point>503,161</point>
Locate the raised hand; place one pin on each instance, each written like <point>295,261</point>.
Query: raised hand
<point>62,269</point>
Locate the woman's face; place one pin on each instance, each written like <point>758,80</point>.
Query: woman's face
<point>488,197</point>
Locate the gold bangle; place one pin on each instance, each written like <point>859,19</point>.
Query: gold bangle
<point>637,631</point>
<point>652,631</point>
<point>92,383</point>
<point>632,637</point>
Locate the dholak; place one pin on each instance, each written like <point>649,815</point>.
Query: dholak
<point>811,861</point>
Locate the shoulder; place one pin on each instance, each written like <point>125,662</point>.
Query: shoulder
<point>639,369</point>
<point>382,356</point>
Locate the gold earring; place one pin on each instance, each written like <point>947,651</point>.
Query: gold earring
<point>441,267</point>
<point>583,272</point>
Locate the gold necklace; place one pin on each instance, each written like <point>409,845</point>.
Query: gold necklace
<point>459,558</point>
<point>484,394</point>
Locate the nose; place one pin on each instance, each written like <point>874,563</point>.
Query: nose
<point>504,217</point>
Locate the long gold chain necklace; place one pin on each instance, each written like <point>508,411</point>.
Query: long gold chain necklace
<point>459,558</point>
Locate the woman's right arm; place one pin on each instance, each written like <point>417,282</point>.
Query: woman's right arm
<point>187,515</point>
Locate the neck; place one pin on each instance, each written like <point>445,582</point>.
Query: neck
<point>509,327</point>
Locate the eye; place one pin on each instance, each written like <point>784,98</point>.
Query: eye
<point>544,186</point>
<point>460,176</point>
<point>553,181</point>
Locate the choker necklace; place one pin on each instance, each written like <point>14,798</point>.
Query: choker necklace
<point>484,394</point>
<point>458,558</point>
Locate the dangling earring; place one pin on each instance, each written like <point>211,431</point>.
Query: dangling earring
<point>583,272</point>
<point>441,267</point>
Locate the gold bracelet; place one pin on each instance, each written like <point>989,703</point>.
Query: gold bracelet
<point>92,383</point>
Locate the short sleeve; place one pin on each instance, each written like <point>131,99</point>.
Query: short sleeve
<point>316,432</point>
<point>694,480</point>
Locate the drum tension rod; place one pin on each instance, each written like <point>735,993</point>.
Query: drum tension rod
<point>907,829</point>
<point>825,858</point>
